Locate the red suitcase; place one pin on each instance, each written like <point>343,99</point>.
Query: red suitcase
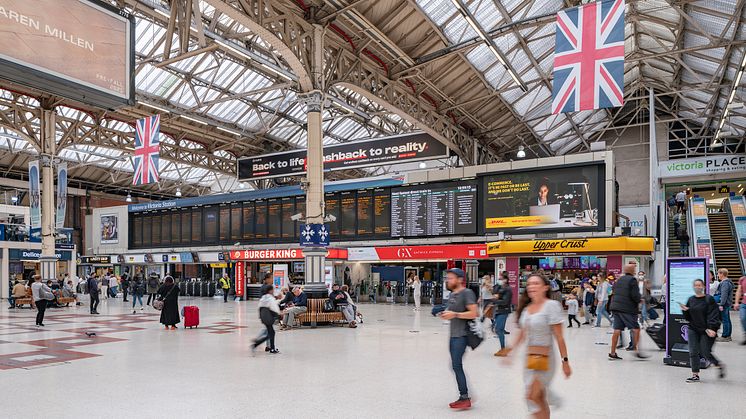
<point>191,316</point>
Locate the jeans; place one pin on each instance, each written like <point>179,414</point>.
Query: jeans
<point>135,298</point>
<point>700,345</point>
<point>601,312</point>
<point>498,324</point>
<point>457,347</point>
<point>727,326</point>
<point>225,294</point>
<point>152,295</point>
<point>41,307</point>
<point>94,301</point>
<point>268,336</point>
<point>742,314</point>
<point>113,291</point>
<point>125,292</point>
<point>684,249</point>
<point>644,312</point>
<point>12,301</point>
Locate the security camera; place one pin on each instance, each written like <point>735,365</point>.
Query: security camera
<point>330,218</point>
<point>296,217</point>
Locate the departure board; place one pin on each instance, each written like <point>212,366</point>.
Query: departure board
<point>382,212</point>
<point>288,209</point>
<point>186,227</point>
<point>300,208</point>
<point>248,220</point>
<point>347,213</point>
<point>210,215</point>
<point>364,213</point>
<point>274,220</point>
<point>137,230</point>
<point>434,210</point>
<point>331,203</point>
<point>225,223</point>
<point>147,228</point>
<point>156,221</point>
<point>197,225</point>
<point>260,223</point>
<point>175,227</point>
<point>165,228</point>
<point>235,222</point>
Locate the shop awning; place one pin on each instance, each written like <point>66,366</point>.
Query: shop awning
<point>598,246</point>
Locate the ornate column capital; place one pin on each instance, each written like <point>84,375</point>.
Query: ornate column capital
<point>312,100</point>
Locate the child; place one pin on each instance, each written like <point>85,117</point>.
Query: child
<point>572,309</point>
<point>269,312</point>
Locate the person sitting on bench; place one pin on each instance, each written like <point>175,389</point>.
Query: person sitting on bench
<point>19,291</point>
<point>339,298</point>
<point>296,307</point>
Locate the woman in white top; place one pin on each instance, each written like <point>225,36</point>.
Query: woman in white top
<point>540,320</point>
<point>416,292</point>
<point>485,297</point>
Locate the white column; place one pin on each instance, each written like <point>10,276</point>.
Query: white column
<point>48,145</point>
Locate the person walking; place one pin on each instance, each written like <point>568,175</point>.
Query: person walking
<point>703,315</point>
<point>486,299</point>
<point>113,286</point>
<point>269,312</point>
<point>741,305</point>
<point>589,298</point>
<point>138,290</point>
<point>681,201</point>
<point>683,243</point>
<point>625,305</point>
<point>572,309</point>
<point>602,296</point>
<point>461,307</point>
<point>503,298</point>
<point>225,285</point>
<point>42,294</point>
<point>169,294</point>
<point>105,286</point>
<point>152,287</point>
<point>126,286</point>
<point>725,291</point>
<point>677,224</point>
<point>540,320</point>
<point>92,285</point>
<point>417,292</point>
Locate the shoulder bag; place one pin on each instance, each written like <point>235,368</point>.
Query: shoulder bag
<point>328,305</point>
<point>159,303</point>
<point>474,333</point>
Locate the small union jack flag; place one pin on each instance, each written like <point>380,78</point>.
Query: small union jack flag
<point>147,150</point>
<point>589,57</point>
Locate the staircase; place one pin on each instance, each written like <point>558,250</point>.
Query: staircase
<point>673,242</point>
<point>724,243</point>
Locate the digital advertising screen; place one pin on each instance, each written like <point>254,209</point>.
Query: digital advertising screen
<point>331,202</point>
<point>364,213</point>
<point>547,199</point>
<point>347,214</point>
<point>434,209</point>
<point>210,215</point>
<point>382,212</point>
<point>274,220</point>
<point>680,274</point>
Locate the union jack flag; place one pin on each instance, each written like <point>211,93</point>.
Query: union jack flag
<point>589,57</point>
<point>147,150</point>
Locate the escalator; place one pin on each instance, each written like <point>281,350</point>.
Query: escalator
<point>673,241</point>
<point>724,243</point>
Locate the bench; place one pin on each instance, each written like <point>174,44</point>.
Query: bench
<point>316,313</point>
<point>28,299</point>
<point>65,300</point>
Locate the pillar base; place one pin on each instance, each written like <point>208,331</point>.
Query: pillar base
<point>315,258</point>
<point>48,268</point>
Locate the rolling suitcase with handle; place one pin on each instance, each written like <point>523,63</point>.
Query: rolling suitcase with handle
<point>191,316</point>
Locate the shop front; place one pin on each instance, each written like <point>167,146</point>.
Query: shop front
<point>387,269</point>
<point>286,267</point>
<point>94,265</point>
<point>569,260</point>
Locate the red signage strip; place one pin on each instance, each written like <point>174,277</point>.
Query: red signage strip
<point>441,252</point>
<point>240,278</point>
<point>281,254</point>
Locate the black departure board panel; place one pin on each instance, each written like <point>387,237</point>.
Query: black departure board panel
<point>382,212</point>
<point>365,213</point>
<point>210,216</point>
<point>347,214</point>
<point>156,229</point>
<point>434,210</point>
<point>197,225</point>
<point>248,220</point>
<point>331,203</point>
<point>186,227</point>
<point>175,227</point>
<point>166,228</point>
<point>137,231</point>
<point>288,209</point>
<point>225,223</point>
<point>260,220</point>
<point>274,220</point>
<point>235,222</point>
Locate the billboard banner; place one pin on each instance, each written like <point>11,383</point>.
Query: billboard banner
<point>565,198</point>
<point>373,152</point>
<point>61,195</point>
<point>725,163</point>
<point>42,38</point>
<point>34,198</point>
<point>109,229</point>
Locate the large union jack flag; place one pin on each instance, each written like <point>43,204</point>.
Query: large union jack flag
<point>147,150</point>
<point>589,57</point>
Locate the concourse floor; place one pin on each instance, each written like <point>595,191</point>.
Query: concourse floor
<point>395,365</point>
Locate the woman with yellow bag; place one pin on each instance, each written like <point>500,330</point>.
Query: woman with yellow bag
<point>541,322</point>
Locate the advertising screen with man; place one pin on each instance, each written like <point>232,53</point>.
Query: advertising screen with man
<point>560,198</point>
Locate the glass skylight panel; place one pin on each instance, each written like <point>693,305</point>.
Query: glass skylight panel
<point>438,10</point>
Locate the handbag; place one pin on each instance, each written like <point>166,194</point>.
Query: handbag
<point>537,358</point>
<point>328,305</point>
<point>474,334</point>
<point>652,314</point>
<point>158,304</point>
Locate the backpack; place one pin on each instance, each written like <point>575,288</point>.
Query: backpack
<point>554,285</point>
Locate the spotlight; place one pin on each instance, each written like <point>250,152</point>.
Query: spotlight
<point>129,197</point>
<point>423,165</point>
<point>178,192</point>
<point>521,154</point>
<point>14,199</point>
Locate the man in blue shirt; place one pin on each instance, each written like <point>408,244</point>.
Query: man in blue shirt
<point>298,306</point>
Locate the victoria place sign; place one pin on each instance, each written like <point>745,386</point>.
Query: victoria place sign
<point>702,166</point>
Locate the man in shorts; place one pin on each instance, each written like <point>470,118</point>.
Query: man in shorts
<point>625,306</point>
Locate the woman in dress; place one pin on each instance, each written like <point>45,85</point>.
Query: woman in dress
<point>169,294</point>
<point>541,322</point>
<point>703,315</point>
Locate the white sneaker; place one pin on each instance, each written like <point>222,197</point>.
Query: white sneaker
<point>142,308</point>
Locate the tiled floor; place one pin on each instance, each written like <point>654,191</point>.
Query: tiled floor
<point>395,365</point>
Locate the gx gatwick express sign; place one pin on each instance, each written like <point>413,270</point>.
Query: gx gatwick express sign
<point>373,152</point>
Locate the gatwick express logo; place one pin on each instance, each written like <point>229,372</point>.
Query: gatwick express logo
<point>404,252</point>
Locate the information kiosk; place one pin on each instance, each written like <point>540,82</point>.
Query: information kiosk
<point>681,273</point>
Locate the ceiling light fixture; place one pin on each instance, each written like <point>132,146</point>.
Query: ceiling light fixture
<point>423,165</point>
<point>521,153</point>
<point>178,192</point>
<point>728,106</point>
<point>194,119</point>
<point>229,131</point>
<point>14,198</point>
<point>129,197</point>
<point>156,107</point>
<point>162,12</point>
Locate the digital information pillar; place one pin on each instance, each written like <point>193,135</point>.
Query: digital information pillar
<point>681,273</point>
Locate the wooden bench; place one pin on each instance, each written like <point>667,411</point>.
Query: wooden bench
<point>316,314</point>
<point>65,300</point>
<point>28,299</point>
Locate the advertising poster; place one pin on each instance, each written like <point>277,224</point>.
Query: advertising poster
<point>34,187</point>
<point>553,199</point>
<point>279,277</point>
<point>61,195</point>
<point>109,229</point>
<point>240,278</point>
<point>373,152</point>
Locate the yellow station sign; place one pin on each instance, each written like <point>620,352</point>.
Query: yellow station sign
<point>603,245</point>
